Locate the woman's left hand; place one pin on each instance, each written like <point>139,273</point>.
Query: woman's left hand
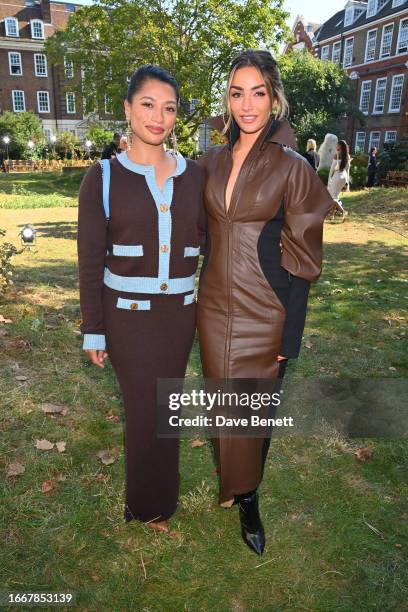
<point>281,358</point>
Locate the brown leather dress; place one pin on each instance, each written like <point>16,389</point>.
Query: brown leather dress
<point>241,319</point>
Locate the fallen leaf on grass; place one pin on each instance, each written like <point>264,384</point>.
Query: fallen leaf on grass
<point>54,409</point>
<point>60,477</point>
<point>21,378</point>
<point>44,444</point>
<point>15,469</point>
<point>112,417</point>
<point>197,443</point>
<point>398,546</point>
<point>46,486</point>
<point>4,320</point>
<point>364,453</point>
<point>308,344</point>
<point>106,457</point>
<point>102,477</point>
<point>61,446</point>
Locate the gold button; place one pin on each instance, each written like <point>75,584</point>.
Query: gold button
<point>164,287</point>
<point>164,208</point>
<point>134,306</point>
<point>164,248</point>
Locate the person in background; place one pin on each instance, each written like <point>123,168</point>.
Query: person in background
<point>372,167</point>
<point>123,144</point>
<point>3,165</point>
<point>311,154</point>
<point>339,176</point>
<point>112,149</point>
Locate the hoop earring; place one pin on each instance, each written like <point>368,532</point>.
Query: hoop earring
<point>129,134</point>
<point>173,140</point>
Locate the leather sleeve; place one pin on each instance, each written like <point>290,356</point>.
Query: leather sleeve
<point>91,244</point>
<point>307,202</point>
<point>202,222</point>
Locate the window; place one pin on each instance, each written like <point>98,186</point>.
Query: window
<point>380,88</point>
<point>360,142</point>
<point>37,28</point>
<point>374,140</point>
<point>397,3</point>
<point>348,52</point>
<point>348,16</point>
<point>386,40</point>
<point>336,52</point>
<point>325,53</point>
<point>390,136</point>
<point>47,133</point>
<point>108,104</point>
<point>365,95</point>
<point>396,93</point>
<point>18,101</point>
<point>402,46</point>
<point>381,4</point>
<point>11,24</point>
<point>15,65</point>
<point>43,101</point>
<point>371,8</point>
<point>370,45</point>
<point>70,102</point>
<point>68,68</point>
<point>40,64</point>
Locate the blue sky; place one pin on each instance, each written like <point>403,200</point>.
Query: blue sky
<point>318,11</point>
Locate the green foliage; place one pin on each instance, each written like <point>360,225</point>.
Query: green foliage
<point>67,144</point>
<point>358,176</point>
<point>393,157</point>
<point>324,174</point>
<point>320,96</point>
<point>22,127</point>
<point>194,39</point>
<point>7,250</point>
<point>99,135</point>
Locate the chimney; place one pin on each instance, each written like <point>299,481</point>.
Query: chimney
<point>46,11</point>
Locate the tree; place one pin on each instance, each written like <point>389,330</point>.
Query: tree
<point>194,39</point>
<point>21,128</point>
<point>67,144</point>
<point>99,135</point>
<point>320,96</point>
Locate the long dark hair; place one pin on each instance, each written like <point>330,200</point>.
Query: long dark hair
<point>268,67</point>
<point>345,153</point>
<point>149,72</point>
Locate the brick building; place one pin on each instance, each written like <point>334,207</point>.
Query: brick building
<point>369,38</point>
<point>303,35</point>
<point>27,80</point>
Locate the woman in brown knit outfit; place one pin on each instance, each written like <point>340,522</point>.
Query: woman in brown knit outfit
<point>265,207</point>
<point>139,240</point>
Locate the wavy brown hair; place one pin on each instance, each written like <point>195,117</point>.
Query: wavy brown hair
<point>268,68</point>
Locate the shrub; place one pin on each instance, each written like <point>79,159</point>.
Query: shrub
<point>324,174</point>
<point>392,157</point>
<point>7,250</point>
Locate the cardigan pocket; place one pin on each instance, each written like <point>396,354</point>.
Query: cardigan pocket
<point>189,299</point>
<point>127,250</point>
<point>191,251</point>
<point>133,304</point>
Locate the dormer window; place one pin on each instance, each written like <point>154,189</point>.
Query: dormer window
<point>349,16</point>
<point>374,6</point>
<point>11,24</point>
<point>37,29</point>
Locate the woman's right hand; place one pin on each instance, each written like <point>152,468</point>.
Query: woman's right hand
<point>97,357</point>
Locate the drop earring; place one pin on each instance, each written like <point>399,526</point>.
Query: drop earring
<point>129,134</point>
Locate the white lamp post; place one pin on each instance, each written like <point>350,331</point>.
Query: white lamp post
<point>6,140</point>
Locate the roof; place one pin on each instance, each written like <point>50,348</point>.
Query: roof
<point>335,25</point>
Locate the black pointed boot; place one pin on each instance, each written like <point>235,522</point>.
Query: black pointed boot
<point>252,530</point>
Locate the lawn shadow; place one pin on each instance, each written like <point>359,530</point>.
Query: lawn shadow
<point>56,229</point>
<point>42,183</point>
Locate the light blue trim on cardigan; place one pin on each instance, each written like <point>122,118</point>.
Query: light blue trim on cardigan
<point>189,299</point>
<point>95,342</point>
<point>127,304</point>
<point>191,251</point>
<point>105,165</point>
<point>127,250</point>
<point>147,284</point>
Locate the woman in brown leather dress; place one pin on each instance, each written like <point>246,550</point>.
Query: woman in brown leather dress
<point>265,208</point>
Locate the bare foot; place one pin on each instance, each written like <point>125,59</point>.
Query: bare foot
<point>162,526</point>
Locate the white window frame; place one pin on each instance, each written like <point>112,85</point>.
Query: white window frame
<point>398,52</point>
<point>325,52</point>
<point>377,89</point>
<point>17,53</point>
<point>336,45</point>
<point>382,54</point>
<point>47,133</point>
<point>390,132</point>
<point>70,93</point>
<point>68,68</point>
<point>47,96</point>
<point>394,78</point>
<point>371,8</point>
<point>38,74</point>
<point>19,110</point>
<point>33,23</point>
<point>348,16</point>
<point>356,148</point>
<point>365,89</point>
<point>345,52</point>
<point>7,22</point>
<point>370,142</point>
<point>396,3</point>
<point>366,59</point>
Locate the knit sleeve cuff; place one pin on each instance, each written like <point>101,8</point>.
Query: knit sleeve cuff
<point>94,342</point>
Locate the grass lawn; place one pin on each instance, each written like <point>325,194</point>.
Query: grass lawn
<point>336,529</point>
